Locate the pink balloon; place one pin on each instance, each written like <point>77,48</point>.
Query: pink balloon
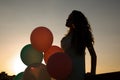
<point>59,66</point>
<point>36,71</point>
<point>41,38</point>
<point>52,50</point>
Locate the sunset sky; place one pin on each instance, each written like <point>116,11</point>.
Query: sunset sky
<point>19,17</point>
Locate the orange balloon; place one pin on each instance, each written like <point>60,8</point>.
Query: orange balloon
<point>41,38</point>
<point>59,66</point>
<point>52,50</point>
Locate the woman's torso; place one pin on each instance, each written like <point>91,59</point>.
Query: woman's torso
<point>78,70</point>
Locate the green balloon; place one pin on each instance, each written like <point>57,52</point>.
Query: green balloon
<point>29,55</point>
<point>19,76</point>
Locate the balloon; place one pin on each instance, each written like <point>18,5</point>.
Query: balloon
<point>52,50</point>
<point>59,66</point>
<point>19,76</point>
<point>29,55</point>
<point>41,38</point>
<point>36,71</point>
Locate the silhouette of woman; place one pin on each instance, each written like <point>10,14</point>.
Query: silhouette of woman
<point>76,41</point>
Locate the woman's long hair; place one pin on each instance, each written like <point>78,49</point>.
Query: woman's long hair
<point>81,31</point>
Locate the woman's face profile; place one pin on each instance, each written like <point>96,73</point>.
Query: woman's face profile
<point>69,21</point>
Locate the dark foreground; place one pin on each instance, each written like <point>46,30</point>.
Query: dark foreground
<point>5,76</point>
<point>105,76</point>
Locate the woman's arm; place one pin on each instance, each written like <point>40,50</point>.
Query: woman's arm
<point>93,59</point>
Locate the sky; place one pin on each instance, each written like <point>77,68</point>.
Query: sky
<point>19,17</point>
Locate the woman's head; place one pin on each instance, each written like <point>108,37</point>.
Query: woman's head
<point>81,31</point>
<point>77,19</point>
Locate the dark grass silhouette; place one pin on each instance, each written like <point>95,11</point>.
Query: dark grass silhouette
<point>5,76</point>
<point>104,76</point>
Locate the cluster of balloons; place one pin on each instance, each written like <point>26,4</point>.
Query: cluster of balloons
<point>58,64</point>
